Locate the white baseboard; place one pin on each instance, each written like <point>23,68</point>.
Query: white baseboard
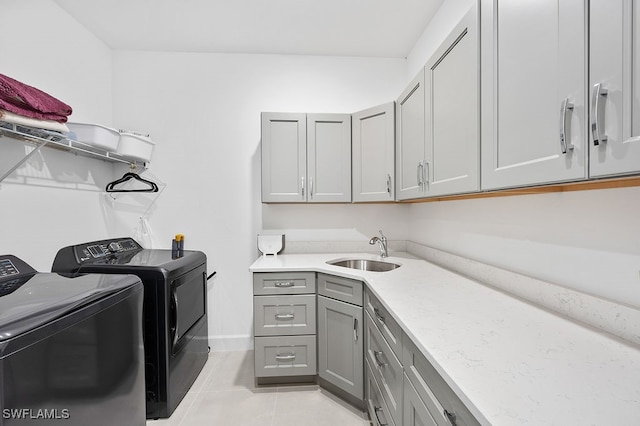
<point>231,343</point>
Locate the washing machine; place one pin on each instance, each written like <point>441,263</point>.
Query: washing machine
<point>71,348</point>
<point>175,310</point>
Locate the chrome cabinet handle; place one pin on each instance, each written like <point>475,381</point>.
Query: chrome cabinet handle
<point>389,184</point>
<point>286,357</point>
<point>376,312</point>
<point>355,329</point>
<point>302,186</point>
<point>284,316</point>
<point>451,417</point>
<point>376,355</point>
<point>425,172</point>
<point>311,187</point>
<point>377,410</point>
<point>598,92</point>
<point>420,174</point>
<point>565,109</point>
<point>284,284</point>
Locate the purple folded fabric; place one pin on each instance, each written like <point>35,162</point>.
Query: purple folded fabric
<point>28,101</point>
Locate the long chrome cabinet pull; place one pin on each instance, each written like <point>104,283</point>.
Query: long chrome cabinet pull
<point>565,109</point>
<point>285,316</point>
<point>286,357</point>
<point>284,284</point>
<point>420,174</point>
<point>376,355</point>
<point>425,175</point>
<point>598,92</point>
<point>377,410</point>
<point>355,329</point>
<point>302,186</point>
<point>389,184</point>
<point>311,187</point>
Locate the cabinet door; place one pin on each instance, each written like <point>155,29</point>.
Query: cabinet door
<point>340,347</point>
<point>614,87</point>
<point>533,97</point>
<point>415,412</point>
<point>452,107</point>
<point>410,141</point>
<point>329,157</point>
<point>284,157</point>
<point>373,152</point>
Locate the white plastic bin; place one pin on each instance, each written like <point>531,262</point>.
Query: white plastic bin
<point>135,146</point>
<point>96,135</point>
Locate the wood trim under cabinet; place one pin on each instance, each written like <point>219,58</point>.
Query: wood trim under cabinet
<point>625,182</point>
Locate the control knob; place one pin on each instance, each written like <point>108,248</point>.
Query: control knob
<point>114,247</point>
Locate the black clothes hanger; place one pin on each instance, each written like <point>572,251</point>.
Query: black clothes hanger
<point>128,176</point>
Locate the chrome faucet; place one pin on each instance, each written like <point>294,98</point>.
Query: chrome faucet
<point>382,241</point>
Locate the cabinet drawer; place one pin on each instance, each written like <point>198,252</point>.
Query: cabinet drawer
<point>284,315</point>
<point>344,289</point>
<point>284,283</point>
<point>386,369</point>
<point>433,390</point>
<point>415,412</point>
<point>285,356</point>
<point>378,410</point>
<point>386,324</point>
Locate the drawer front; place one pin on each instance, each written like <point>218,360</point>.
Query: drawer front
<point>284,283</point>
<point>437,396</point>
<point>378,410</point>
<point>285,356</point>
<point>284,315</point>
<point>339,288</point>
<point>415,412</point>
<point>386,324</point>
<point>386,369</point>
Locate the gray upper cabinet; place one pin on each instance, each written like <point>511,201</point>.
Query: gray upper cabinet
<point>329,158</point>
<point>614,87</point>
<point>533,97</point>
<point>452,155</point>
<point>410,148</point>
<point>373,153</point>
<point>437,120</point>
<point>306,158</point>
<point>284,157</point>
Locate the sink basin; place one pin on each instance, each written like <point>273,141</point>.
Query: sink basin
<point>365,264</point>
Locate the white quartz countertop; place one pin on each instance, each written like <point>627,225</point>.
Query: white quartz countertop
<point>510,362</point>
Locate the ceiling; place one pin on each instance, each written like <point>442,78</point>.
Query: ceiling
<point>376,28</point>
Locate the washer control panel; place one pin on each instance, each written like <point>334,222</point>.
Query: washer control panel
<point>99,249</point>
<point>7,268</point>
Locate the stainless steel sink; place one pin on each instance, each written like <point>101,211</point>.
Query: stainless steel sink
<point>365,264</point>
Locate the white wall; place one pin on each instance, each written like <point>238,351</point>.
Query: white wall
<point>55,198</point>
<point>585,240</point>
<point>203,112</point>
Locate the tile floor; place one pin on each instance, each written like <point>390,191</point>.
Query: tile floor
<point>225,394</point>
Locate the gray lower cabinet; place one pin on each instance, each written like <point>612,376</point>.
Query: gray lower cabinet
<point>438,398</point>
<point>415,412</point>
<point>386,369</point>
<point>340,333</point>
<point>378,410</point>
<point>284,324</point>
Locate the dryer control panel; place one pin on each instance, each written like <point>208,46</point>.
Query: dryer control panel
<point>99,249</point>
